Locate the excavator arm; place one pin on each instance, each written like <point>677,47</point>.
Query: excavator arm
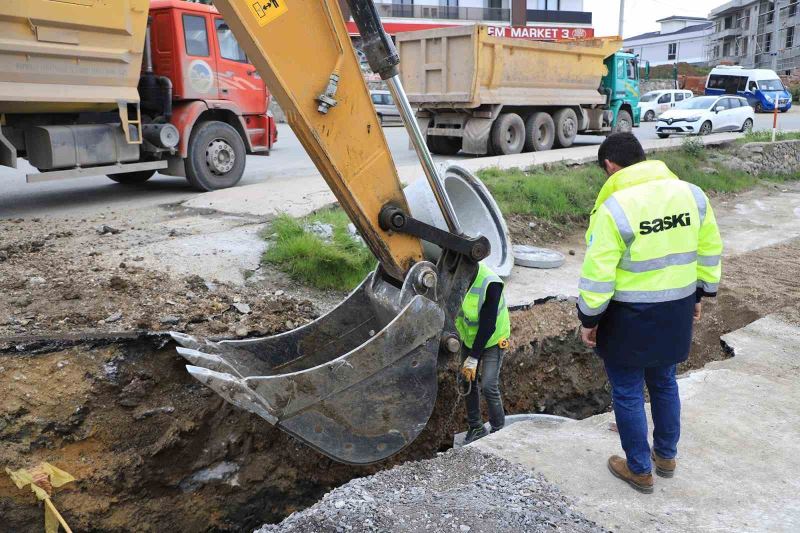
<point>358,384</point>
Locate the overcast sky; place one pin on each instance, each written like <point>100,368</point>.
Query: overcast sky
<point>641,15</point>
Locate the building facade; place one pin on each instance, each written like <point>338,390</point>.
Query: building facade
<point>745,34</point>
<point>680,40</point>
<point>541,19</point>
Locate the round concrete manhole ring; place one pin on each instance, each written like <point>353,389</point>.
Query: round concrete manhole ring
<point>533,257</point>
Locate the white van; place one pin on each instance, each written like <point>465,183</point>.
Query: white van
<point>653,103</point>
<point>763,88</point>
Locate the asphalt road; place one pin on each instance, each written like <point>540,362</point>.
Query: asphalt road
<point>87,196</point>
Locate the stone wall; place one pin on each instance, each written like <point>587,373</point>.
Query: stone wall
<point>782,157</point>
<point>656,85</point>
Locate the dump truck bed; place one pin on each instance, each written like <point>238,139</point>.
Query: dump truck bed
<point>465,67</point>
<point>70,55</point>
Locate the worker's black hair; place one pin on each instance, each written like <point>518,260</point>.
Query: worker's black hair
<point>623,149</point>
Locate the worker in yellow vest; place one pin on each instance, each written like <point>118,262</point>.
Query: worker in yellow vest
<point>484,327</point>
<point>653,251</point>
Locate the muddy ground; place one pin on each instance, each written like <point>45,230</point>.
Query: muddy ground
<point>106,398</point>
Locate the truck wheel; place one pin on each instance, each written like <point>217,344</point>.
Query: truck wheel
<point>216,156</point>
<point>132,178</point>
<point>624,122</point>
<point>566,122</point>
<point>508,134</point>
<point>540,132</point>
<point>444,145</point>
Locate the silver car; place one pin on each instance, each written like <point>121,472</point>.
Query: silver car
<point>385,108</point>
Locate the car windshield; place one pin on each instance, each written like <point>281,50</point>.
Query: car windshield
<point>701,102</point>
<point>770,85</point>
<point>649,97</point>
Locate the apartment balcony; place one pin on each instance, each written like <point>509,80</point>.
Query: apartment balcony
<point>443,12</point>
<point>559,17</point>
<point>727,34</point>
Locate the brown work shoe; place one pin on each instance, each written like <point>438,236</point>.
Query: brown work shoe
<point>664,467</point>
<point>641,482</point>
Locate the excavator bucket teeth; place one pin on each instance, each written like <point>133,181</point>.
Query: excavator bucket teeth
<point>357,384</point>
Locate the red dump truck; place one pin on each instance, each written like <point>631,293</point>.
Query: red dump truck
<point>128,89</point>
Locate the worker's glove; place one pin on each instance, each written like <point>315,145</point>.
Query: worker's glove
<point>469,369</point>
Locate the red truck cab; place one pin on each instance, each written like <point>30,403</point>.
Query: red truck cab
<point>216,92</point>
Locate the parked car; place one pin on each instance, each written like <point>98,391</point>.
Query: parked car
<point>384,106</point>
<point>762,88</point>
<point>653,103</point>
<point>706,114</point>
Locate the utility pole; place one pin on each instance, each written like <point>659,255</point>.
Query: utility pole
<point>776,35</point>
<point>621,16</point>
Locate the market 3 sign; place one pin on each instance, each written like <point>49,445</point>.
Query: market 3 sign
<point>541,33</point>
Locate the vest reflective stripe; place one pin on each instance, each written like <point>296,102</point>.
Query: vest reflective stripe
<point>591,311</point>
<point>623,226</point>
<point>700,199</point>
<point>708,260</point>
<point>708,287</point>
<point>658,263</point>
<point>467,321</point>
<point>666,295</point>
<point>596,286</point>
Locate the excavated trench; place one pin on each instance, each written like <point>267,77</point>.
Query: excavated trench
<point>153,450</point>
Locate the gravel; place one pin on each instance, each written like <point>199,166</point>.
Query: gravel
<point>461,490</point>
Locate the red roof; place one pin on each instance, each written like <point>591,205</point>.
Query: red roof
<point>180,4</point>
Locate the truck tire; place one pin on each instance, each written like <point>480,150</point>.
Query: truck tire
<point>624,122</point>
<point>508,134</point>
<point>216,156</point>
<point>444,145</point>
<point>540,132</point>
<point>132,178</point>
<point>566,123</point>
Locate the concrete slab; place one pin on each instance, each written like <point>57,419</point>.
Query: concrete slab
<point>739,452</point>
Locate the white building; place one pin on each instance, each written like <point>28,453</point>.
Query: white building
<point>680,40</point>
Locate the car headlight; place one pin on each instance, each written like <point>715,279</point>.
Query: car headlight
<point>693,118</point>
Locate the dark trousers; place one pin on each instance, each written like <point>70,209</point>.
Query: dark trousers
<point>627,393</point>
<point>489,377</point>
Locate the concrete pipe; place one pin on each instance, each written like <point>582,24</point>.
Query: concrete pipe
<point>476,210</point>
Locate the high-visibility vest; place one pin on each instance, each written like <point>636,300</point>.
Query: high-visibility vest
<point>652,238</point>
<point>467,319</point>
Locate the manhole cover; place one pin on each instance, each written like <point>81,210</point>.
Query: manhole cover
<point>533,257</point>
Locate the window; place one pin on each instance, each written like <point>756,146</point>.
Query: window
<point>770,85</point>
<point>715,51</point>
<point>728,23</point>
<point>377,99</point>
<point>753,87</point>
<point>196,35</point>
<point>743,47</point>
<point>792,8</point>
<point>228,46</point>
<point>790,37</point>
<point>631,64</point>
<point>678,97</point>
<point>734,103</point>
<point>768,42</point>
<point>723,103</point>
<point>621,69</point>
<point>665,99</point>
<point>549,5</point>
<point>672,51</point>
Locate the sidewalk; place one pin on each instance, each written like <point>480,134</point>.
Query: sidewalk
<point>738,457</point>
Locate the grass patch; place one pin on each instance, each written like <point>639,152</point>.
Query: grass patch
<point>765,136</point>
<point>561,194</point>
<point>339,262</point>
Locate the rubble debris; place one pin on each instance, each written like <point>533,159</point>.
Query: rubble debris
<point>461,490</point>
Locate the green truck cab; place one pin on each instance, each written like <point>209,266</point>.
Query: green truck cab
<point>621,84</point>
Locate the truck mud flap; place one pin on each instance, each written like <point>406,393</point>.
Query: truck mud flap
<point>358,384</point>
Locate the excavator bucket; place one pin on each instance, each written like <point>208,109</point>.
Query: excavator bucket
<point>357,384</point>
